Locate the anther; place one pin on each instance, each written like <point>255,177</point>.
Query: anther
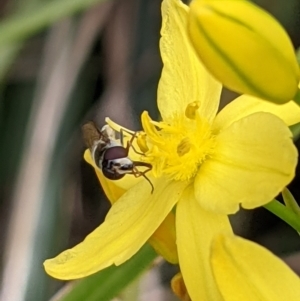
<point>183,147</point>
<point>190,111</point>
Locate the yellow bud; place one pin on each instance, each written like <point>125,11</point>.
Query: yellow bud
<point>179,288</point>
<point>245,48</point>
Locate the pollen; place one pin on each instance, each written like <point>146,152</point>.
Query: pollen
<point>178,148</point>
<point>191,109</point>
<point>183,147</point>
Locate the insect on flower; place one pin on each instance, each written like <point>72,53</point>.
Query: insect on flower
<point>110,155</point>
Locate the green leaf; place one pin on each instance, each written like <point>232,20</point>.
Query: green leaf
<point>108,283</point>
<point>23,24</point>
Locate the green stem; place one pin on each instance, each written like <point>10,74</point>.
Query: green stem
<point>290,201</point>
<point>284,213</point>
<point>295,129</point>
<point>297,97</point>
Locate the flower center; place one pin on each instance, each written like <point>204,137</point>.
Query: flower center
<point>183,147</point>
<point>177,148</point>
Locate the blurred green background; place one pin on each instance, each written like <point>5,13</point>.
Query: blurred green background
<point>62,63</point>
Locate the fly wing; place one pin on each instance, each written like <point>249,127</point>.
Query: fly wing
<point>92,135</point>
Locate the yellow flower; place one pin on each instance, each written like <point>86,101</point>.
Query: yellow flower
<point>243,270</point>
<point>245,48</point>
<point>205,164</point>
<point>246,271</point>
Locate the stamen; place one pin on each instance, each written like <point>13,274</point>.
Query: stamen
<point>141,140</point>
<point>177,148</point>
<point>190,111</point>
<point>117,127</point>
<point>148,127</point>
<point>183,147</point>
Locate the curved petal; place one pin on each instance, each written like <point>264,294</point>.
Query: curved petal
<point>128,225</point>
<point>163,240</point>
<point>246,105</point>
<point>195,230</point>
<point>184,79</point>
<point>246,271</point>
<point>254,160</point>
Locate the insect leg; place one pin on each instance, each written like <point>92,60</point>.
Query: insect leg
<point>138,173</point>
<point>130,142</point>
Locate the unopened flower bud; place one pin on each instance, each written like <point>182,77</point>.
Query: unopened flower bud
<point>245,48</point>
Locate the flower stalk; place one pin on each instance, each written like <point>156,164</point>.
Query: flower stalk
<point>297,97</point>
<point>284,213</point>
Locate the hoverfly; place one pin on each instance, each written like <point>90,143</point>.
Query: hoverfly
<point>110,155</point>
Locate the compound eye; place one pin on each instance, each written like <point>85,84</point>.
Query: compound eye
<point>116,152</point>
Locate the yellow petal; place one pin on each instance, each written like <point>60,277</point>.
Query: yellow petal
<point>254,160</point>
<point>195,230</point>
<point>163,239</point>
<point>246,105</point>
<point>245,48</point>
<point>128,225</point>
<point>184,79</point>
<point>246,271</point>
